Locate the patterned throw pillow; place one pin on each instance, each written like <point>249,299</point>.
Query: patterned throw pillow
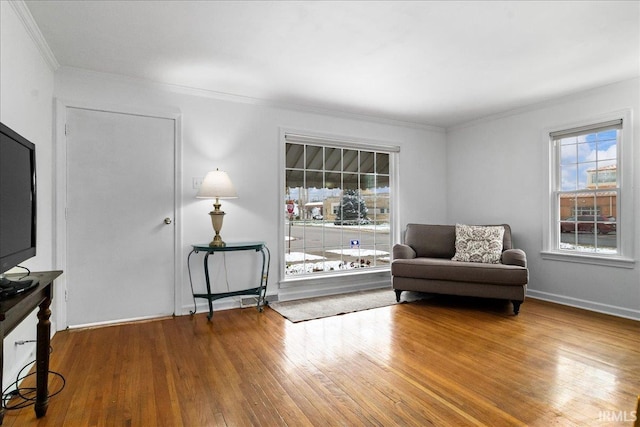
<point>476,243</point>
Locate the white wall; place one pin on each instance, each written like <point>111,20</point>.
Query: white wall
<point>242,137</point>
<point>495,173</point>
<point>26,88</point>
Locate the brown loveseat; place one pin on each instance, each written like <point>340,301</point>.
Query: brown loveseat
<point>424,264</point>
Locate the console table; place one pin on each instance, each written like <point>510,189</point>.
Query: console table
<point>260,290</point>
<point>13,311</point>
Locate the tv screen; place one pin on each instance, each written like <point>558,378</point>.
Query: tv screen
<point>17,199</point>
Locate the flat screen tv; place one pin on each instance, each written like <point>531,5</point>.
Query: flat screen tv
<point>17,207</point>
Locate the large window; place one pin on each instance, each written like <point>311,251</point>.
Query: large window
<point>590,201</point>
<point>337,206</point>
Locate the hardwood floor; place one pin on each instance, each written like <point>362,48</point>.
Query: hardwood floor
<point>441,362</point>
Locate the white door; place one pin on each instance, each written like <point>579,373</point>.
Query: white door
<point>120,189</point>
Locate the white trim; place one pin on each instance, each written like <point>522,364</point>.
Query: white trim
<point>60,199</point>
<point>23,12</point>
<point>315,288</point>
<point>59,208</point>
<point>394,200</point>
<point>282,179</point>
<point>584,304</point>
<point>117,322</point>
<point>339,142</point>
<point>178,229</point>
<point>202,306</point>
<point>324,279</point>
<point>588,259</point>
<point>123,109</point>
<point>626,227</point>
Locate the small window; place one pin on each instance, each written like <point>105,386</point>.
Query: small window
<point>587,192</point>
<point>589,197</point>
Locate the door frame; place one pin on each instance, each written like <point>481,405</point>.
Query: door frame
<point>60,199</point>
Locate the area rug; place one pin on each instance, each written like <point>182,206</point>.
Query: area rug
<point>319,307</point>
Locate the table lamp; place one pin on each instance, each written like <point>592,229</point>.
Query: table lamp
<point>217,185</point>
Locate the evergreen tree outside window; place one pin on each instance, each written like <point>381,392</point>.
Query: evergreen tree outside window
<point>352,211</point>
<point>337,207</point>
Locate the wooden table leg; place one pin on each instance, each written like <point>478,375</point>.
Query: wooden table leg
<point>42,358</point>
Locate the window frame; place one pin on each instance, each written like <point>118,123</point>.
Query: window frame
<point>625,200</point>
<point>336,141</point>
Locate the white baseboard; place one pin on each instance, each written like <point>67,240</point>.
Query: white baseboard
<point>286,294</point>
<point>202,306</point>
<point>238,301</point>
<point>585,304</point>
<point>118,321</point>
<point>291,293</point>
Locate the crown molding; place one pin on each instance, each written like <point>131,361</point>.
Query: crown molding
<point>308,108</point>
<point>553,101</point>
<point>23,12</point>
<point>230,97</point>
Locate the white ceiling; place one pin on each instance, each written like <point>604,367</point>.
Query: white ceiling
<point>430,62</point>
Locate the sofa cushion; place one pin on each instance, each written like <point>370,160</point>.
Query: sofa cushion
<point>476,243</point>
<point>437,241</point>
<point>459,271</point>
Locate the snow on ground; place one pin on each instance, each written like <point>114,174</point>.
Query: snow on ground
<point>323,266</point>
<point>298,262</point>
<point>301,256</point>
<point>379,227</point>
<point>370,227</point>
<point>588,249</point>
<point>358,252</point>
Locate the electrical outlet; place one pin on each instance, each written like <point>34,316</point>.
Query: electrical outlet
<point>197,182</point>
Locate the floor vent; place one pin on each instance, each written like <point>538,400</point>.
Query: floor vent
<point>253,301</point>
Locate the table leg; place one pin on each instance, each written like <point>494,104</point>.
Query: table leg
<point>264,277</point>
<point>42,358</point>
<point>206,278</point>
<point>195,306</point>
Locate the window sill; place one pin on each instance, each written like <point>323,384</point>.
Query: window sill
<point>608,261</point>
<point>364,274</point>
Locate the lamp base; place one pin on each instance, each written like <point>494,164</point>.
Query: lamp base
<point>216,220</point>
<point>217,242</point>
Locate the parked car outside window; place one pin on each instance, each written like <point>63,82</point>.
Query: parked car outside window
<point>587,223</point>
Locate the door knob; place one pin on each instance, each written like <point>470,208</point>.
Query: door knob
<point>167,220</point>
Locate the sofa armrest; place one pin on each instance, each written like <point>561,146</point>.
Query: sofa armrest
<point>514,257</point>
<point>401,251</point>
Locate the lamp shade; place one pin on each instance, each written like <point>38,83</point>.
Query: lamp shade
<point>217,184</point>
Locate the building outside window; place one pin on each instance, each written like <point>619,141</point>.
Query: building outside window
<point>337,206</point>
